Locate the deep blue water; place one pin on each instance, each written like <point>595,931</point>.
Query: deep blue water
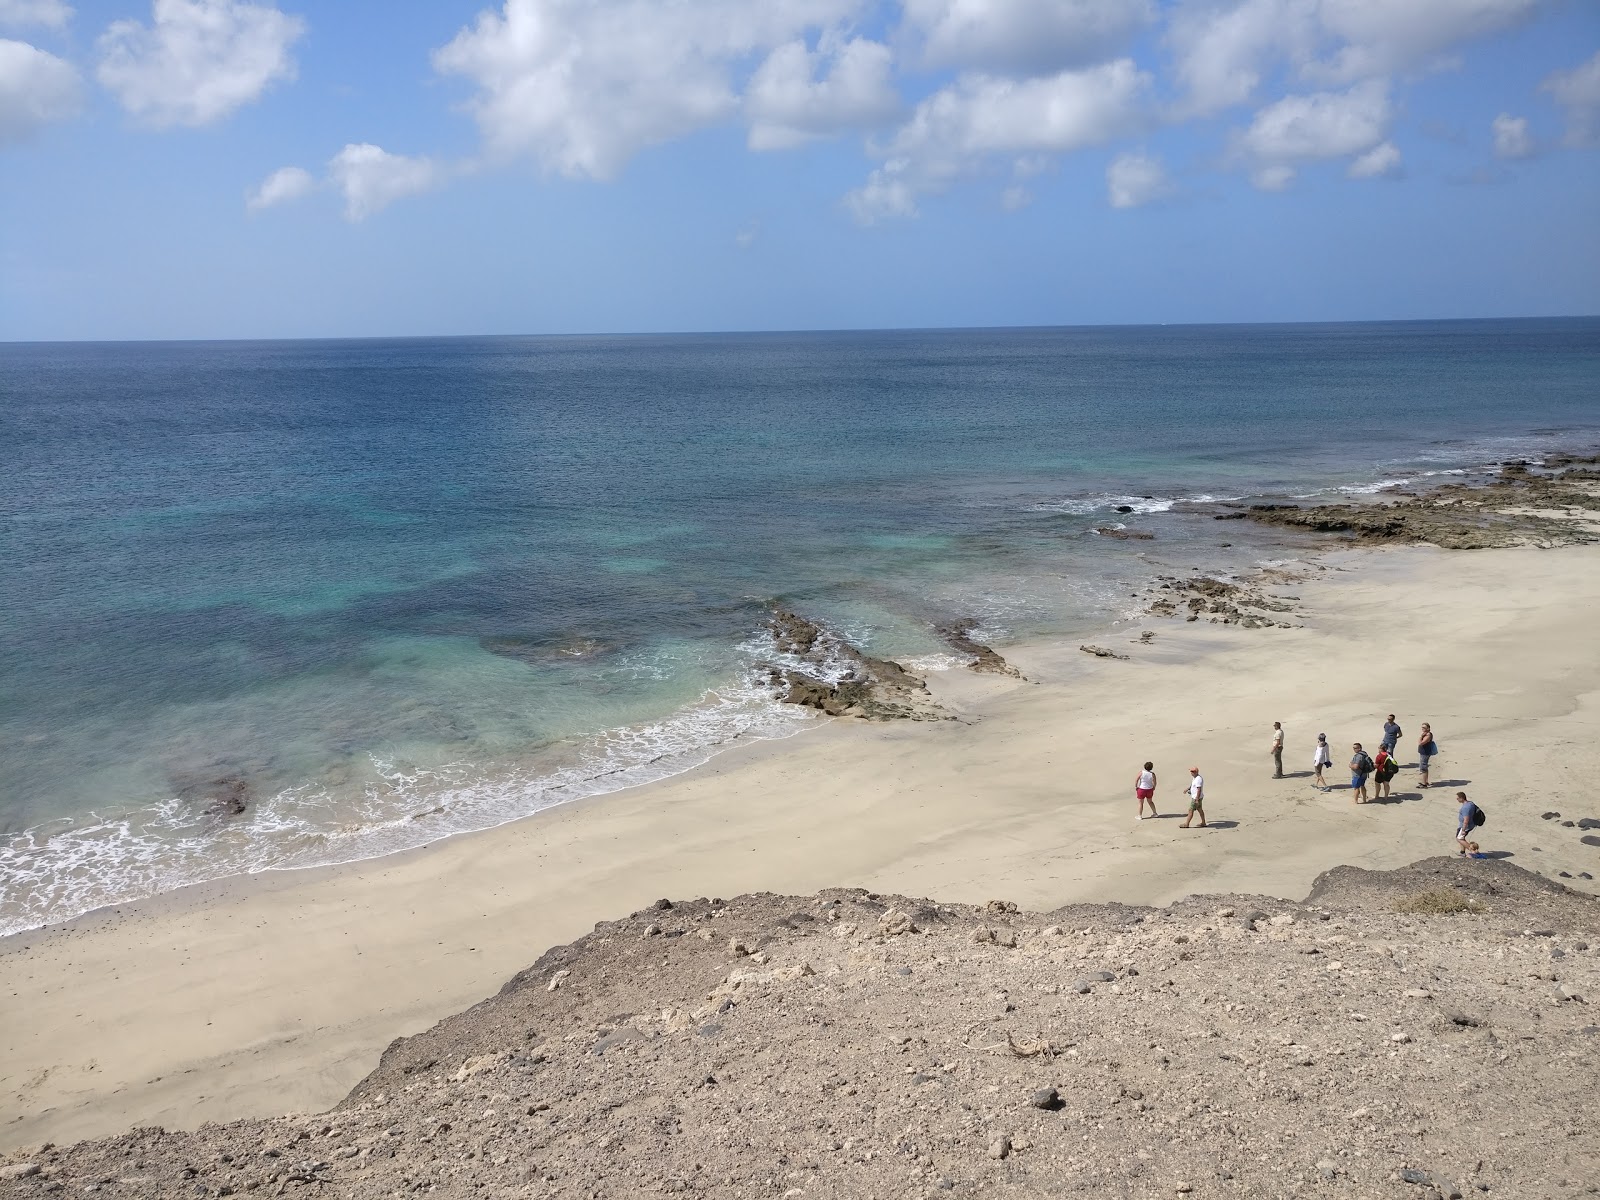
<point>292,563</point>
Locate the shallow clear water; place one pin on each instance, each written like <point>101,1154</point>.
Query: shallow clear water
<point>377,579</point>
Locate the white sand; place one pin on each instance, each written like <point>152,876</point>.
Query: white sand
<point>278,992</point>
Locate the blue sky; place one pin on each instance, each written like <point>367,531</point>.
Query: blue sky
<point>210,168</point>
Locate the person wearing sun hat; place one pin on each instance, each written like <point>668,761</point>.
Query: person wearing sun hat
<point>1197,798</point>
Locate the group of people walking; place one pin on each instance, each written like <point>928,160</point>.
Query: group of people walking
<point>1378,770</point>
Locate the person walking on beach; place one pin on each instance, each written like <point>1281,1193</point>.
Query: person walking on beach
<point>1392,734</point>
<point>1468,817</point>
<point>1322,758</point>
<point>1277,750</point>
<point>1144,789</point>
<point>1360,768</point>
<point>1384,768</point>
<point>1426,749</point>
<point>1197,798</point>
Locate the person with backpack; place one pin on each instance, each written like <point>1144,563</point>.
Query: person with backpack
<point>1323,757</point>
<point>1360,768</point>
<point>1384,768</point>
<point>1426,749</point>
<point>1468,817</point>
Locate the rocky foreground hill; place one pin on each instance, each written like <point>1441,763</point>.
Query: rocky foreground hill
<point>1416,1033</point>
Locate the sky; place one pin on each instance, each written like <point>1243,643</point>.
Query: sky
<point>222,169</point>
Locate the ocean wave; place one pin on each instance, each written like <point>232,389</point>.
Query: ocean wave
<point>64,868</point>
<point>1082,506</point>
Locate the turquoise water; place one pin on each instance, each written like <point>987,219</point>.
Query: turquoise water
<point>402,589</point>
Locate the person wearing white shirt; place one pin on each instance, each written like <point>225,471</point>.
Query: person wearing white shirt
<point>1144,789</point>
<point>1197,798</point>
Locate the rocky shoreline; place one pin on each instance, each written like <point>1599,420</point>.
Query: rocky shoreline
<point>1422,1033</point>
<point>1553,503</point>
<point>827,673</point>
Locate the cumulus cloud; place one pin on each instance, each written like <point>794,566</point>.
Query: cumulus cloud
<point>1578,91</point>
<point>1381,162</point>
<point>1511,137</point>
<point>198,60</point>
<point>788,104</point>
<point>1321,125</point>
<point>1381,37</point>
<point>1223,50</point>
<point>282,186</point>
<point>16,14</point>
<point>36,89</point>
<point>958,129</point>
<point>370,178</point>
<point>1134,179</point>
<point>1026,36</point>
<point>583,85</point>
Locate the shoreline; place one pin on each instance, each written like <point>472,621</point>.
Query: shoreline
<point>257,994</point>
<point>227,849</point>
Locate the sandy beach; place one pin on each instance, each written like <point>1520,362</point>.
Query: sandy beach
<point>278,992</point>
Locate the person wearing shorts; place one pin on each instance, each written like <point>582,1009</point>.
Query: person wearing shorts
<point>1426,749</point>
<point>1197,798</point>
<point>1466,822</point>
<point>1144,789</point>
<point>1360,768</point>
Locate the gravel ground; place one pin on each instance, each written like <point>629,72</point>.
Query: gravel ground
<point>855,1045</point>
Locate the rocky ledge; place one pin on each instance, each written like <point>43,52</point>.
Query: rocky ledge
<point>1244,601</point>
<point>821,670</point>
<point>1555,504</point>
<point>1423,1033</point>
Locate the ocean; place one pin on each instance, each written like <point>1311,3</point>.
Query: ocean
<point>384,592</point>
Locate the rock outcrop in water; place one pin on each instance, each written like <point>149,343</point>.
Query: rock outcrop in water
<point>1521,507</point>
<point>539,651</point>
<point>835,678</point>
<point>227,797</point>
<point>958,636</point>
<point>1409,1035</point>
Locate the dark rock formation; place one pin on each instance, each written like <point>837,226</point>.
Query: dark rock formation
<point>1126,535</point>
<point>227,797</point>
<point>873,688</point>
<point>958,636</point>
<point>538,651</point>
<point>1520,507</point>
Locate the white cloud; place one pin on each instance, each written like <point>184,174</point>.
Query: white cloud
<point>1318,126</point>
<point>1015,198</point>
<point>787,105</point>
<point>1578,91</point>
<point>1135,178</point>
<point>583,85</point>
<point>52,14</point>
<point>1272,178</point>
<point>284,185</point>
<point>958,129</point>
<point>1024,36</point>
<point>36,89</point>
<point>1224,50</point>
<point>1382,161</point>
<point>1381,37</point>
<point>370,178</point>
<point>1511,137</point>
<point>198,61</point>
<point>746,237</point>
